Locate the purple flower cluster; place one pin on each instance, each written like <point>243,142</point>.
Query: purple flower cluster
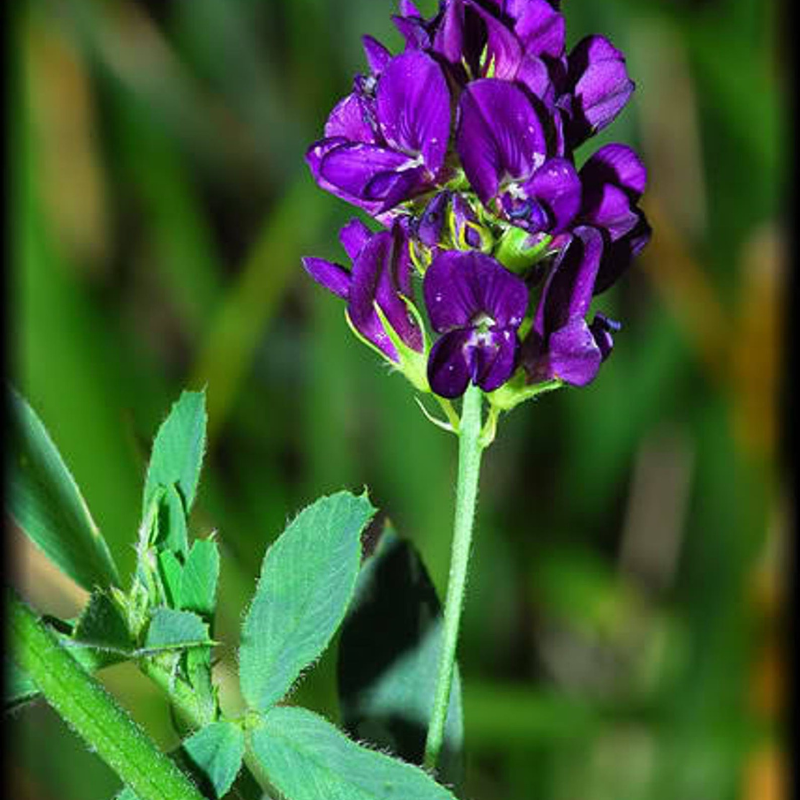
<point>462,147</point>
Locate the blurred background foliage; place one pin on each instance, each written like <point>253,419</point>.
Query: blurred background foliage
<point>624,628</point>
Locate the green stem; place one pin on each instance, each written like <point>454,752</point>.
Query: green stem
<point>470,449</point>
<point>183,698</point>
<point>93,713</point>
<point>179,693</point>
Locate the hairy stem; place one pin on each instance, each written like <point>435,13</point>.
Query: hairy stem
<point>92,712</point>
<point>182,697</point>
<point>470,449</point>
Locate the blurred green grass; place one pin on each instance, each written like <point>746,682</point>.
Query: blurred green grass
<point>624,620</point>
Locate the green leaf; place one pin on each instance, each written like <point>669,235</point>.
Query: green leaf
<point>171,530</point>
<point>176,460</point>
<point>307,579</point>
<point>102,625</point>
<point>307,758</point>
<point>171,573</point>
<point>170,629</point>
<point>216,751</point>
<point>199,578</point>
<point>389,659</point>
<point>45,502</point>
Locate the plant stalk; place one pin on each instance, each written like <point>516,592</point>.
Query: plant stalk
<point>86,706</point>
<point>470,449</point>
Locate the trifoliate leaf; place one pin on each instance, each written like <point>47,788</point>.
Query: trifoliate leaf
<point>171,630</point>
<point>307,758</point>
<point>199,578</point>
<point>176,459</point>
<point>216,751</point>
<point>307,579</point>
<point>171,573</point>
<point>102,625</point>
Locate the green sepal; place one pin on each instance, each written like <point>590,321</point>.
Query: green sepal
<point>516,391</point>
<point>515,254</point>
<point>459,181</point>
<point>411,364</point>
<point>420,256</point>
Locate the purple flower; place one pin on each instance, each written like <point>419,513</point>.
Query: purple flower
<point>381,274</point>
<point>613,180</point>
<point>478,306</point>
<point>386,141</point>
<point>560,343</point>
<point>523,104</point>
<point>502,139</point>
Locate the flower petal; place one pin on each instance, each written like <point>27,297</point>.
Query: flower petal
<point>493,358</point>
<point>317,152</point>
<point>349,119</point>
<point>503,49</point>
<point>573,353</point>
<point>468,34</point>
<point>617,164</point>
<point>381,272</point>
<point>450,32</point>
<point>392,188</point>
<point>568,291</point>
<point>533,356</point>
<point>600,83</point>
<point>408,9</point>
<point>316,156</point>
<point>460,286</point>
<point>499,135</point>
<point>448,370</point>
<point>377,55</point>
<point>429,227</point>
<point>608,207</point>
<point>602,329</point>
<point>463,220</point>
<point>556,184</point>
<point>353,236</point>
<point>351,167</point>
<point>535,76</point>
<point>541,29</point>
<point>333,277</point>
<point>413,106</point>
<point>618,255</point>
<point>413,30</point>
